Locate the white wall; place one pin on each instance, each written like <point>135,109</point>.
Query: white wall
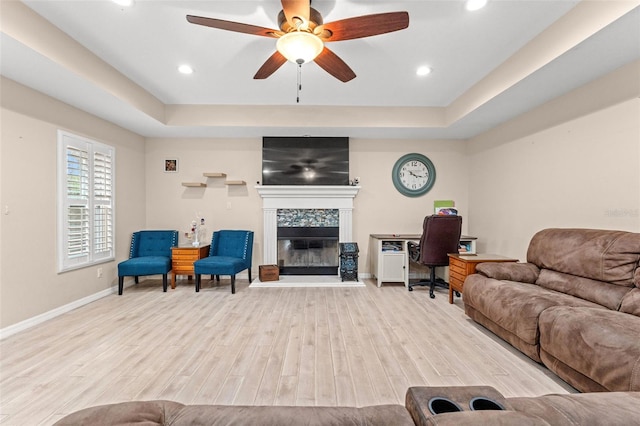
<point>584,173</point>
<point>378,208</point>
<point>29,282</point>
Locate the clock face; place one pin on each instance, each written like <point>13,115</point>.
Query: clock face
<point>413,175</point>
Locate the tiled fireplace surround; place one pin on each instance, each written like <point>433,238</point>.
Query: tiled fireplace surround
<point>276,197</point>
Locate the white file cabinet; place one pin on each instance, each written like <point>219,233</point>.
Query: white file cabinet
<point>389,260</point>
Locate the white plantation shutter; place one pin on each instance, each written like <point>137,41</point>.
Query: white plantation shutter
<point>103,200</point>
<point>86,202</point>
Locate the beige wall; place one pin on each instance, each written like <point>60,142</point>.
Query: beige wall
<point>378,208</point>
<point>29,282</point>
<point>572,162</point>
<point>584,173</point>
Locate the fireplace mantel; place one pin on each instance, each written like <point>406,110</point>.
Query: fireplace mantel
<point>276,197</point>
<point>302,191</point>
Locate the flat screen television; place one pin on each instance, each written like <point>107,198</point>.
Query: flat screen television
<point>305,160</point>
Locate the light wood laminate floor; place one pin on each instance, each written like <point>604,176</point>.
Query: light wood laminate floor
<point>261,346</point>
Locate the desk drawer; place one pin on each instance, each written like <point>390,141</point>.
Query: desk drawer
<point>455,275</point>
<point>457,267</point>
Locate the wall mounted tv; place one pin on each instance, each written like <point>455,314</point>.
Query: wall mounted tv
<point>305,160</point>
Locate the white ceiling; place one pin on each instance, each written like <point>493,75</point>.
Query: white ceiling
<point>148,41</point>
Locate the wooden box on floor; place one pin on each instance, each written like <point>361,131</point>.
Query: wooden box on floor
<point>269,272</point>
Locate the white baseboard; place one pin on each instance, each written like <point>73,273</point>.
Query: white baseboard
<point>38,319</point>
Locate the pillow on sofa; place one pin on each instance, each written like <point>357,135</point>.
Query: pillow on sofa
<point>520,272</point>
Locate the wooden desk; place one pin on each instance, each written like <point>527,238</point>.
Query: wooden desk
<point>461,265</point>
<point>182,259</point>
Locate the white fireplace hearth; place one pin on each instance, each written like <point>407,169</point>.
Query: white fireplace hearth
<point>276,197</point>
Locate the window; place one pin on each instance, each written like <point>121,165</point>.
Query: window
<point>85,202</point>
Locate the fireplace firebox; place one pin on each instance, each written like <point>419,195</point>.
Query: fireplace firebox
<point>308,250</point>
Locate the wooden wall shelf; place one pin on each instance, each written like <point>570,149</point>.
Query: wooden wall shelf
<point>213,175</point>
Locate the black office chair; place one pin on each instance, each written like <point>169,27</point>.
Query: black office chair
<point>440,236</point>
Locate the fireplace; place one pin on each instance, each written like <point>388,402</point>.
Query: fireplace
<point>336,203</point>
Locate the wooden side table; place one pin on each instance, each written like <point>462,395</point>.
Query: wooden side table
<point>461,265</point>
<point>182,259</point>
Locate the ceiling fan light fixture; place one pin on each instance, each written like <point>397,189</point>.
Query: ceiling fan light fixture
<point>472,5</point>
<point>299,45</point>
<point>423,70</point>
<point>185,69</point>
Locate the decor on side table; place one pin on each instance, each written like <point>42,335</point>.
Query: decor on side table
<point>197,231</point>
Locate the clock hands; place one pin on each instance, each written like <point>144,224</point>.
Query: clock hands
<point>415,175</point>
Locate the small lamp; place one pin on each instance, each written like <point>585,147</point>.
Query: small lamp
<point>299,46</point>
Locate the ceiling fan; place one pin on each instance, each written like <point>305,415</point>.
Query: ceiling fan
<point>302,35</point>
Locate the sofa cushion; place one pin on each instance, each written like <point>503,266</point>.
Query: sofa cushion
<point>603,255</point>
<point>150,413</point>
<point>602,345</point>
<point>147,413</point>
<point>493,418</point>
<point>510,271</point>
<point>602,293</point>
<point>631,302</point>
<point>593,409</point>
<point>514,306</point>
<point>223,415</point>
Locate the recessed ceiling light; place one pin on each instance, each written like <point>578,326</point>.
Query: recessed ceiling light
<point>475,4</point>
<point>125,3</point>
<point>185,69</point>
<point>423,70</point>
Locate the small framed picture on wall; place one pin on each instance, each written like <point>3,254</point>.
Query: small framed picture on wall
<point>171,165</point>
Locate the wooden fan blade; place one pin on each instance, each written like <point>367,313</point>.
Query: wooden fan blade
<point>363,26</point>
<point>271,65</point>
<point>234,26</point>
<point>331,63</point>
<point>296,9</point>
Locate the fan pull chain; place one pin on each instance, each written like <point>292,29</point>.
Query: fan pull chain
<point>299,83</point>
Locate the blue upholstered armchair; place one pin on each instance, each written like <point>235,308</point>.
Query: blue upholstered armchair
<point>150,254</point>
<point>229,254</point>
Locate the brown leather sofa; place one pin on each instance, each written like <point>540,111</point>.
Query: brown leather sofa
<point>464,405</point>
<point>574,306</point>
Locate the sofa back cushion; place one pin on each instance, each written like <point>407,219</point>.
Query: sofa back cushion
<point>602,255</point>
<point>602,293</point>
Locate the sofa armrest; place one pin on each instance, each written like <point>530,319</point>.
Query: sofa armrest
<point>520,272</point>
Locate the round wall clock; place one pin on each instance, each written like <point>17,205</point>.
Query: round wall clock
<point>413,175</point>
